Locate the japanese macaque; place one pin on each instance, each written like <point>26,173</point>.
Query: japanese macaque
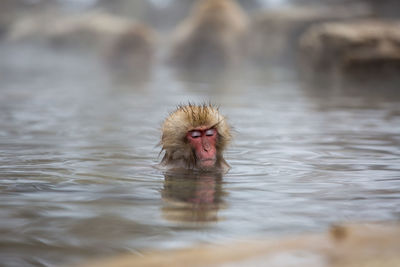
<point>131,54</point>
<point>212,36</point>
<point>194,137</point>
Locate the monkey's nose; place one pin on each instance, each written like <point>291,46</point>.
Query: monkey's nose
<point>206,145</point>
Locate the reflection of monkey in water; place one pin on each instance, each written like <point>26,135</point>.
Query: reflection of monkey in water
<point>213,36</point>
<point>192,196</point>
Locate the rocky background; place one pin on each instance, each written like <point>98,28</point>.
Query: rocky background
<point>277,26</point>
<point>328,43</point>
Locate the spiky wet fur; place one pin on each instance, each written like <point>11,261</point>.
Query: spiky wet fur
<point>186,118</point>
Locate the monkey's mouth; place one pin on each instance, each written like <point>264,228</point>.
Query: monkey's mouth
<point>208,162</point>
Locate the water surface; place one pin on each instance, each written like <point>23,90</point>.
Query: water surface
<point>78,149</point>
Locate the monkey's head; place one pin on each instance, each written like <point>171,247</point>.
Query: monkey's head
<point>194,137</point>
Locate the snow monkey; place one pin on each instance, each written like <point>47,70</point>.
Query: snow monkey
<point>213,35</point>
<point>194,137</point>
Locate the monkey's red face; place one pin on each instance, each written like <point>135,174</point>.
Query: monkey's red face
<point>203,142</point>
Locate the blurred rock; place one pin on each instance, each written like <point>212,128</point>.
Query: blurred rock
<point>275,33</point>
<point>381,8</point>
<point>127,46</point>
<point>363,50</point>
<point>11,10</point>
<point>358,245</point>
<point>84,29</point>
<point>212,37</point>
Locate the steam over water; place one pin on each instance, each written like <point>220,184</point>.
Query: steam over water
<point>78,149</point>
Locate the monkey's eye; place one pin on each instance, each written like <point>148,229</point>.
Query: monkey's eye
<point>210,132</point>
<point>195,134</point>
